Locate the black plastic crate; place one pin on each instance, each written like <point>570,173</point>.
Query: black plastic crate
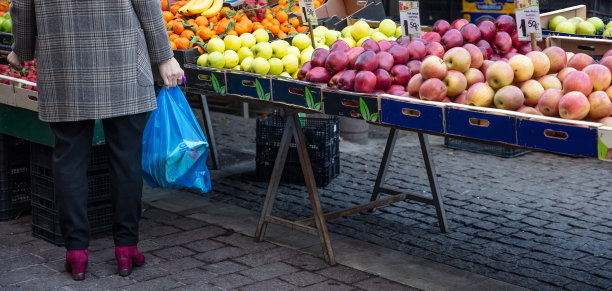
<point>41,159</point>
<point>43,192</point>
<point>45,221</point>
<point>483,148</point>
<point>14,177</point>
<point>322,139</point>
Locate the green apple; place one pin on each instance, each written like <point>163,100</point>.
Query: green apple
<point>607,32</point>
<point>319,31</point>
<point>350,41</point>
<point>232,42</point>
<point>373,31</point>
<point>387,27</point>
<point>392,38</point>
<point>320,45</point>
<point>262,50</point>
<point>276,66</point>
<point>294,75</point>
<point>260,66</point>
<point>555,21</point>
<point>566,27</point>
<point>360,30</point>
<point>597,22</point>
<point>576,20</point>
<point>231,59</point>
<point>202,60</point>
<point>306,54</point>
<point>247,40</point>
<point>378,36</point>
<point>331,36</point>
<point>360,42</point>
<point>285,74</point>
<point>236,67</point>
<point>261,35</point>
<point>244,52</point>
<point>215,45</point>
<point>246,64</point>
<point>280,48</point>
<point>291,63</point>
<point>301,41</point>
<point>293,51</point>
<point>216,60</point>
<point>346,32</point>
<point>398,32</point>
<point>609,25</point>
<point>586,27</point>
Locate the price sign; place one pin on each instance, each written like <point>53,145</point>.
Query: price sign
<point>409,17</point>
<point>528,19</point>
<point>308,12</point>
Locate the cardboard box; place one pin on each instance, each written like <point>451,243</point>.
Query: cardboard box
<point>334,13</point>
<point>340,8</point>
<point>489,6</point>
<point>249,85</point>
<point>575,11</point>
<point>589,46</point>
<point>26,99</point>
<point>205,79</point>
<point>7,94</point>
<point>299,93</point>
<point>412,113</point>
<point>351,104</point>
<point>480,123</point>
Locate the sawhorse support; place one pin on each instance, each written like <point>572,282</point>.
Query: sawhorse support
<point>208,131</point>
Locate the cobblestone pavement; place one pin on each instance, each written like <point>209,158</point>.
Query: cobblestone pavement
<point>541,220</point>
<point>182,254</point>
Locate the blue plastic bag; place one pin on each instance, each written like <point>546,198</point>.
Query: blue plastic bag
<point>174,147</point>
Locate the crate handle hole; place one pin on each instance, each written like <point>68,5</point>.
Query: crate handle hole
<point>411,112</point>
<point>555,134</point>
<point>296,91</point>
<point>350,103</point>
<point>355,114</point>
<point>248,83</point>
<point>362,2</point>
<point>34,98</point>
<point>479,122</point>
<point>7,41</point>
<point>203,77</point>
<point>586,48</point>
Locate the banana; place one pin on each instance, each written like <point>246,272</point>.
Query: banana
<point>183,10</point>
<point>199,7</point>
<point>214,8</point>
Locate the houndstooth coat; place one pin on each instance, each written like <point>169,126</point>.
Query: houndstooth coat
<point>94,56</point>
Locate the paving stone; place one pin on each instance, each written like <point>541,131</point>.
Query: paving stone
<point>146,273</point>
<point>377,283</point>
<point>265,272</point>
<point>344,274</point>
<point>245,242</point>
<point>307,262</point>
<point>272,284</point>
<point>329,285</point>
<point>180,265</point>
<point>107,283</point>
<point>225,267</point>
<point>302,278</point>
<point>162,283</point>
<point>231,281</point>
<point>19,262</point>
<point>186,223</point>
<point>269,256</point>
<point>193,276</point>
<point>25,274</point>
<point>172,253</point>
<point>52,282</point>
<point>198,287</point>
<point>204,245</point>
<point>221,254</point>
<point>189,236</point>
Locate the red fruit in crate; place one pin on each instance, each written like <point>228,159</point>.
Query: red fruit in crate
<point>505,23</point>
<point>414,66</point>
<point>318,57</point>
<point>451,39</point>
<point>365,82</point>
<point>318,75</point>
<point>395,87</point>
<point>333,82</point>
<point>441,26</point>
<point>255,9</point>
<point>370,45</point>
<point>432,36</point>
<point>400,54</point>
<point>304,70</point>
<point>352,54</point>
<point>339,45</point>
<point>347,80</point>
<point>385,60</point>
<point>384,45</point>
<point>336,61</point>
<point>366,61</point>
<point>400,74</point>
<point>502,42</point>
<point>459,23</point>
<point>383,79</point>
<point>470,33</point>
<point>417,50</point>
<point>432,90</point>
<point>435,49</point>
<point>487,30</point>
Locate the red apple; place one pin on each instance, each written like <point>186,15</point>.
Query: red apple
<point>470,33</point>
<point>578,81</point>
<point>574,105</point>
<point>455,83</point>
<point>435,49</point>
<point>459,23</point>
<point>607,54</point>
<point>414,66</point>
<point>318,75</point>
<point>417,50</point>
<point>550,82</point>
<point>505,23</point>
<point>403,40</point>
<point>451,39</point>
<point>333,82</point>
<point>365,81</point>
<point>485,66</point>
<point>528,110</point>
<point>347,80</point>
<point>579,61</point>
<point>458,59</point>
<point>395,87</point>
<point>461,99</point>
<point>414,85</point>
<point>400,54</point>
<point>336,61</point>
<point>487,30</point>
<point>400,75</point>
<point>508,98</point>
<point>339,45</point>
<point>383,79</point>
<point>541,63</point>
<point>606,121</point>
<point>476,55</point>
<point>473,76</point>
<point>495,57</point>
<point>384,45</point>
<point>304,70</point>
<point>557,58</point>
<point>499,74</point>
<point>480,94</point>
<point>549,102</point>
<point>370,45</point>
<point>432,36</point>
<point>352,54</point>
<point>432,90</point>
<point>600,105</point>
<point>533,91</point>
<point>607,61</point>
<point>318,57</point>
<point>441,26</point>
<point>366,61</point>
<point>385,60</point>
<point>600,76</point>
<point>433,67</point>
<point>502,42</point>
<point>563,73</point>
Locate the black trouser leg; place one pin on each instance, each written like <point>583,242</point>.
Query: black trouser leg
<point>70,161</point>
<point>123,136</point>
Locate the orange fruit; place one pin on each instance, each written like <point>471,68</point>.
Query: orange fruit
<point>181,43</point>
<point>164,5</point>
<point>241,28</point>
<point>169,24</point>
<point>302,28</point>
<point>213,19</point>
<point>282,16</point>
<point>282,35</point>
<point>187,33</point>
<point>178,27</point>
<point>192,22</point>
<point>174,9</point>
<point>285,27</point>
<point>200,49</point>
<point>204,32</point>
<point>316,3</point>
<point>274,29</point>
<point>269,16</point>
<point>294,21</point>
<point>201,21</point>
<point>168,16</point>
<point>214,36</point>
<point>276,22</point>
<point>173,45</point>
<point>232,32</point>
<point>173,37</point>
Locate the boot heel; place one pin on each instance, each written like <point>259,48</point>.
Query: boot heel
<point>76,263</point>
<point>128,257</point>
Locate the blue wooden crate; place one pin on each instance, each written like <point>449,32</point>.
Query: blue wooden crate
<point>559,138</point>
<point>477,124</point>
<point>248,85</point>
<point>350,104</point>
<point>409,114</point>
<point>295,92</point>
<point>205,79</point>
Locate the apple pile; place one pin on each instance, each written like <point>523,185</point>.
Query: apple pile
<point>28,73</point>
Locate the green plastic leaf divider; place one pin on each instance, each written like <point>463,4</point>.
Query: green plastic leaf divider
<point>365,111</point>
<point>309,100</point>
<point>374,117</point>
<point>215,84</point>
<point>260,92</point>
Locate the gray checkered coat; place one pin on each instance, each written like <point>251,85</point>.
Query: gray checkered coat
<point>94,56</point>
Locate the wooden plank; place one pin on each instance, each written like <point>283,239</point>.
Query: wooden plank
<point>292,225</point>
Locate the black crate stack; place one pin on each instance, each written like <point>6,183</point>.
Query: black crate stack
<point>14,177</point>
<point>322,139</point>
<point>45,219</point>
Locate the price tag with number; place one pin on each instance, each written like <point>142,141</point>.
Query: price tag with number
<point>409,17</point>
<point>308,12</point>
<point>528,19</point>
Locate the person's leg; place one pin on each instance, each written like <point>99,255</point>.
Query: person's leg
<point>123,136</point>
<point>70,161</point>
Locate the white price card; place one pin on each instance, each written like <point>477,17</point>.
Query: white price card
<point>528,19</point>
<point>409,17</point>
<point>308,12</point>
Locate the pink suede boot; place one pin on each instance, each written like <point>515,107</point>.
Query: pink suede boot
<point>126,257</point>
<point>76,263</point>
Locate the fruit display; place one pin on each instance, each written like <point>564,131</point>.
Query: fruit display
<point>192,23</point>
<point>6,24</point>
<point>578,25</point>
<point>28,73</point>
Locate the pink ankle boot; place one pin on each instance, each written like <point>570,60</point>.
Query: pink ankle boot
<point>76,263</point>
<point>126,257</point>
